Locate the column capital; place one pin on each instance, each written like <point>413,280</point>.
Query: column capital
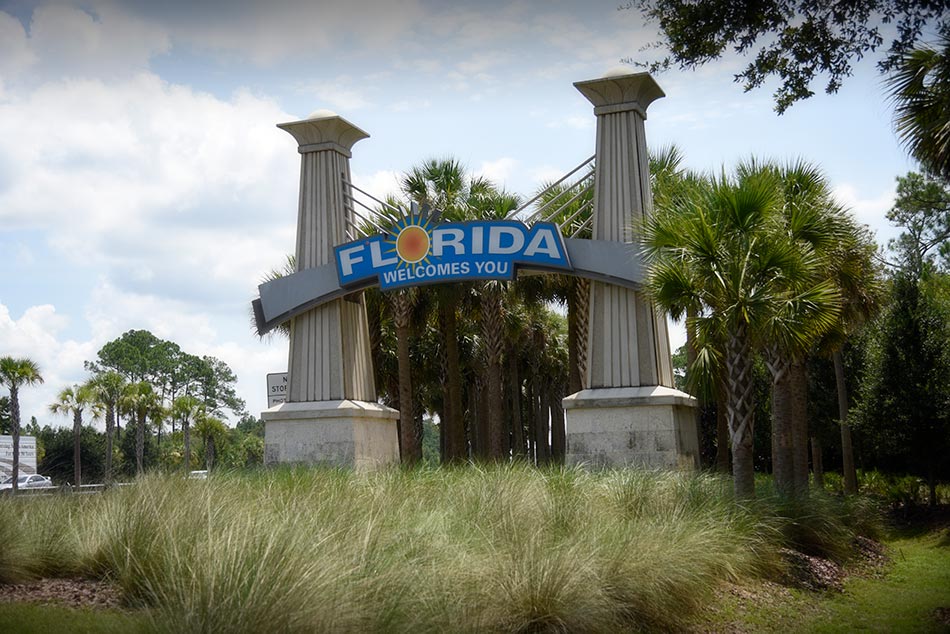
<point>620,93</point>
<point>324,132</point>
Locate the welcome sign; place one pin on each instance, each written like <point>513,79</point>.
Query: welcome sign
<point>416,251</point>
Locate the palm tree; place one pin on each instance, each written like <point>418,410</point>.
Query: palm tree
<point>443,185</point>
<point>188,410</point>
<point>859,281</point>
<point>815,224</point>
<point>920,88</point>
<point>718,248</point>
<point>212,432</point>
<point>13,374</point>
<point>400,304</point>
<point>140,401</point>
<point>108,388</point>
<point>74,400</point>
<point>492,299</point>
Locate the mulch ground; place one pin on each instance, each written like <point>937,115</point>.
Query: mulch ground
<point>76,593</point>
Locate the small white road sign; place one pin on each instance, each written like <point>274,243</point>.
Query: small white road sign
<point>276,388</point>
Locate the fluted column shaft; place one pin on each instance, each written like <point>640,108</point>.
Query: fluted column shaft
<point>628,344</point>
<point>329,345</point>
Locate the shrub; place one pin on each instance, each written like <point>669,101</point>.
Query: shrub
<point>506,548</point>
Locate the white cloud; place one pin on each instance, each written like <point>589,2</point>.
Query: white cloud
<point>36,335</point>
<point>499,170</point>
<point>409,105</point>
<point>547,174</point>
<point>177,200</point>
<point>339,93</point>
<point>15,53</point>
<point>379,184</point>
<point>265,33</point>
<point>576,122</point>
<point>871,211</point>
<point>104,40</point>
<point>173,191</point>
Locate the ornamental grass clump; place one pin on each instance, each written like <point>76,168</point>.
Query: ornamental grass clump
<point>467,549</point>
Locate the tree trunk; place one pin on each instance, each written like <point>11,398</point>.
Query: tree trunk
<point>783,411</point>
<point>582,310</point>
<point>558,436</point>
<point>471,420</point>
<point>542,427</point>
<point>818,466</point>
<point>209,453</point>
<point>531,413</point>
<point>410,448</point>
<point>573,371</point>
<point>578,308</point>
<point>847,451</point>
<point>931,483</point>
<point>442,417</point>
<point>454,425</point>
<point>493,329</point>
<point>691,385</point>
<point>799,386</point>
<point>722,428</point>
<point>739,388</point>
<point>110,430</point>
<point>481,418</point>
<point>15,432</point>
<point>375,329</point>
<point>514,388</point>
<point>186,431</point>
<point>140,444</point>
<point>77,445</point>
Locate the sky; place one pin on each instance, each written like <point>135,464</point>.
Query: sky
<point>144,183</point>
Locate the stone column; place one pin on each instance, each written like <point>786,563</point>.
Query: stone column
<point>630,413</point>
<point>331,415</point>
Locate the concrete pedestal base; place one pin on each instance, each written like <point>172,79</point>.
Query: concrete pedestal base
<point>338,433</point>
<point>652,426</point>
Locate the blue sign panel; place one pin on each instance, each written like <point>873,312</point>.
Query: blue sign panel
<point>416,253</point>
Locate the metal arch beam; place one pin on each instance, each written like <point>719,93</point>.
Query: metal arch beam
<point>286,297</point>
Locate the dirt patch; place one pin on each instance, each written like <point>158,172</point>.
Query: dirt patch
<point>811,573</point>
<point>942,616</point>
<point>77,593</point>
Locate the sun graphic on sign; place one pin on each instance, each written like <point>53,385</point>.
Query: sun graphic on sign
<point>411,239</point>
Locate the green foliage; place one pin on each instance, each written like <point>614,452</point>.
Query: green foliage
<point>140,356</point>
<point>135,355</point>
<point>6,421</point>
<point>250,425</point>
<point>483,549</point>
<point>430,442</point>
<point>795,40</point>
<point>150,455</point>
<point>904,408</point>
<point>922,210</point>
<point>920,88</point>
<point>57,460</point>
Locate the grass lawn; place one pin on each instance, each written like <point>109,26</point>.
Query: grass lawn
<point>31,618</point>
<point>903,598</point>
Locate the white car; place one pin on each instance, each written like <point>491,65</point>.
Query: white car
<point>26,482</point>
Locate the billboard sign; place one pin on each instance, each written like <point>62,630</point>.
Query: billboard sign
<point>27,455</point>
<point>418,251</point>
